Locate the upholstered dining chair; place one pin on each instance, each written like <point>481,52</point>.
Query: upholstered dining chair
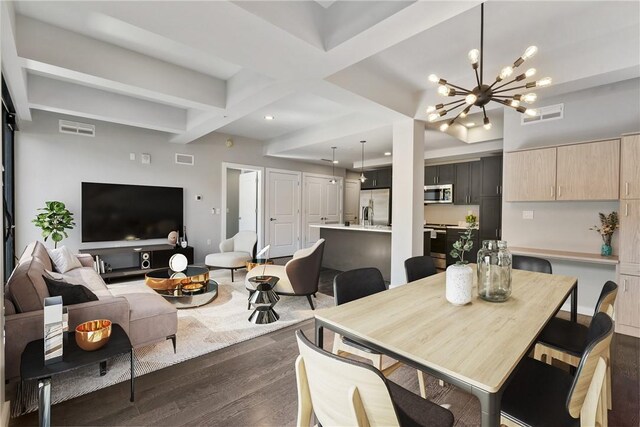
<point>419,267</point>
<point>298,277</point>
<point>234,252</point>
<point>530,263</point>
<point>343,392</point>
<point>539,394</point>
<point>567,341</point>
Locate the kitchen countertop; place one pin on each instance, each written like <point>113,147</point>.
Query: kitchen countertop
<point>358,227</point>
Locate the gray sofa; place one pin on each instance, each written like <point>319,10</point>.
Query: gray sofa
<point>144,315</point>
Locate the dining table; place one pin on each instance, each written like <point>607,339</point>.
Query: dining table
<point>475,347</point>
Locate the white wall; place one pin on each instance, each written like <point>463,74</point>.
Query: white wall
<point>597,113</point>
<point>51,166</point>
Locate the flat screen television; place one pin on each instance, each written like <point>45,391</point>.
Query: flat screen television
<point>112,212</point>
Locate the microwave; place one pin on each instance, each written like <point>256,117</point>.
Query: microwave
<point>438,194</point>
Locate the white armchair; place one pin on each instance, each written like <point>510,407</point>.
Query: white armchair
<point>234,252</point>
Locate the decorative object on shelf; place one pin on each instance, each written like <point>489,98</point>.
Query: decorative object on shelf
<point>264,250</point>
<point>494,271</point>
<point>333,165</point>
<point>459,276</point>
<point>172,238</point>
<point>184,242</point>
<point>93,335</point>
<point>53,330</point>
<point>362,177</point>
<point>178,263</point>
<point>483,93</point>
<point>608,225</point>
<point>54,221</point>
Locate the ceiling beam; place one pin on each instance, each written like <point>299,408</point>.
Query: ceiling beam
<point>15,76</point>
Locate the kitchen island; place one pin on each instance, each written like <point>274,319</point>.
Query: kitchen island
<point>358,246</point>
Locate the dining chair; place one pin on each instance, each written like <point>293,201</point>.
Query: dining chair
<point>530,263</point>
<point>566,341</point>
<point>539,394</point>
<point>344,392</point>
<point>419,267</point>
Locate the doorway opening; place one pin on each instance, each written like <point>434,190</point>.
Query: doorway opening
<point>242,200</point>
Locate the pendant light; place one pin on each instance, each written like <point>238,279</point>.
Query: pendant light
<point>333,166</point>
<point>362,177</point>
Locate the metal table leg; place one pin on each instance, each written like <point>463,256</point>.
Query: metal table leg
<point>489,406</point>
<point>574,304</point>
<point>44,402</point>
<point>133,376</point>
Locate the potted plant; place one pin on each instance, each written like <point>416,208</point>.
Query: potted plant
<point>459,276</point>
<point>54,220</point>
<point>608,225</point>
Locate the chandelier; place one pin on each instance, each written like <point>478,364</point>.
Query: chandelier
<point>482,94</point>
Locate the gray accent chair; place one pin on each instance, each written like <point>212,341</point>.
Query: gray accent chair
<point>298,277</point>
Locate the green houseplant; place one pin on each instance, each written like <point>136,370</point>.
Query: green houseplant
<point>54,220</point>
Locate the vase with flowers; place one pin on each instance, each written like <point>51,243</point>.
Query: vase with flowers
<point>459,276</point>
<point>608,225</point>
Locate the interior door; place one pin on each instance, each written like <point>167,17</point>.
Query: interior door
<point>351,200</point>
<point>332,202</point>
<point>248,202</point>
<point>283,212</point>
<point>314,191</point>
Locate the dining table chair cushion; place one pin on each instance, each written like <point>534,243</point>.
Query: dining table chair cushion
<point>414,411</point>
<point>565,335</point>
<point>537,395</point>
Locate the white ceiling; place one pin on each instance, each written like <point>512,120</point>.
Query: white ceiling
<point>330,72</point>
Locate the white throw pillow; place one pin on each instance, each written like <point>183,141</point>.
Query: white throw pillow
<point>64,260</point>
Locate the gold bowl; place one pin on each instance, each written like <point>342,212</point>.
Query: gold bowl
<point>94,334</point>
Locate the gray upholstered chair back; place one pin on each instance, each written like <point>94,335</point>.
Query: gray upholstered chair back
<point>304,269</point>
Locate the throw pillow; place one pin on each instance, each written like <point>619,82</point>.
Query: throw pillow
<point>71,294</point>
<point>64,260</point>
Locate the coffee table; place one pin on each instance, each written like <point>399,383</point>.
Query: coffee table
<point>262,298</point>
<point>188,289</point>
<point>32,365</point>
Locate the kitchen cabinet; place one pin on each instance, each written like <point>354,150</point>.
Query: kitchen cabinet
<point>589,171</point>
<point>491,176</point>
<point>439,175</point>
<point>453,234</point>
<point>530,175</point>
<point>380,178</point>
<point>630,167</point>
<point>490,218</point>
<point>629,237</point>
<point>466,188</point>
<point>628,305</point>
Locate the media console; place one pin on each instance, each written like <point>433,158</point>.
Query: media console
<point>132,261</point>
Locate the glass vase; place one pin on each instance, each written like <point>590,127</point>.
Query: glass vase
<point>606,250</point>
<point>494,271</point>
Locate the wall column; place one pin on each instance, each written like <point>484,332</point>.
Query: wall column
<point>407,196</point>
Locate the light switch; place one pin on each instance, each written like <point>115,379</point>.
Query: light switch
<point>132,156</point>
<point>527,214</point>
<point>145,158</point>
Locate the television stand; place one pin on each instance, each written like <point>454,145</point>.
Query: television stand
<point>135,261</point>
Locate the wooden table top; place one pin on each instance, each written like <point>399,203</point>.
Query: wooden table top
<point>479,343</point>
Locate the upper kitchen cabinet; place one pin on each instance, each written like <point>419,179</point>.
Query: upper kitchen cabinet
<point>630,167</point>
<point>380,178</point>
<point>438,175</point>
<point>467,183</point>
<point>530,175</point>
<point>589,171</point>
<point>491,176</point>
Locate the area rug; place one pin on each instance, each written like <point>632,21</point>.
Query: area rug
<point>219,324</point>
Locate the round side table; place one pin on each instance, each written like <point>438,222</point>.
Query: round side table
<point>262,299</point>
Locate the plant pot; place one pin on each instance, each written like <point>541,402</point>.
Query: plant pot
<point>459,282</point>
<point>606,250</point>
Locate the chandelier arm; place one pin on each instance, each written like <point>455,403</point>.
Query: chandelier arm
<point>502,96</point>
<point>484,111</point>
<point>458,87</point>
<point>508,89</point>
<point>461,103</point>
<point>481,41</point>
<point>452,102</point>
<point>505,84</point>
<point>499,101</point>
<point>477,78</point>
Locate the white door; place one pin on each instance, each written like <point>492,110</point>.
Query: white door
<point>351,200</point>
<point>313,208</point>
<point>283,212</point>
<point>332,202</point>
<point>248,202</point>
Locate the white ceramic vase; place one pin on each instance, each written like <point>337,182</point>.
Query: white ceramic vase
<point>459,282</point>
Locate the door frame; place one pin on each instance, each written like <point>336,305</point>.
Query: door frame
<point>260,205</point>
<point>303,218</point>
<point>267,237</point>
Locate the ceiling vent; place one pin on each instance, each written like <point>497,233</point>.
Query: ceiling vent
<point>75,128</point>
<point>550,112</point>
<point>185,159</point>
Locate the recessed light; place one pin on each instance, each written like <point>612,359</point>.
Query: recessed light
<point>470,124</point>
<point>335,162</point>
<point>387,153</point>
<point>268,117</point>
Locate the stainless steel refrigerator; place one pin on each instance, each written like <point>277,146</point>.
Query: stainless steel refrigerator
<point>379,203</point>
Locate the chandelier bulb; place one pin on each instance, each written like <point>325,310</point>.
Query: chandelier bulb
<point>433,117</point>
<point>505,72</point>
<point>514,103</point>
<point>529,52</point>
<point>443,90</point>
<point>474,55</point>
<point>362,177</point>
<point>529,98</point>
<point>546,81</point>
<point>531,112</point>
<point>470,99</point>
<point>463,114</point>
<point>530,72</point>
<point>433,78</point>
<point>487,123</point>
<point>431,109</point>
<point>444,127</point>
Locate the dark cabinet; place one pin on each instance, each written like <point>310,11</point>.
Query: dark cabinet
<point>453,234</point>
<point>377,179</point>
<point>466,188</point>
<point>441,174</point>
<point>491,218</point>
<point>491,176</point>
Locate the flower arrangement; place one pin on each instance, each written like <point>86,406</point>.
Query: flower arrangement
<point>464,244</point>
<point>608,225</point>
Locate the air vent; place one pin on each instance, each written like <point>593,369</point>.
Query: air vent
<point>550,112</point>
<point>75,128</point>
<point>185,159</point>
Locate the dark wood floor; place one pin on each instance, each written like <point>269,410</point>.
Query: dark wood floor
<point>253,384</point>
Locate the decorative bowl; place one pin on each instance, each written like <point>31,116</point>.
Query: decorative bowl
<point>94,334</point>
